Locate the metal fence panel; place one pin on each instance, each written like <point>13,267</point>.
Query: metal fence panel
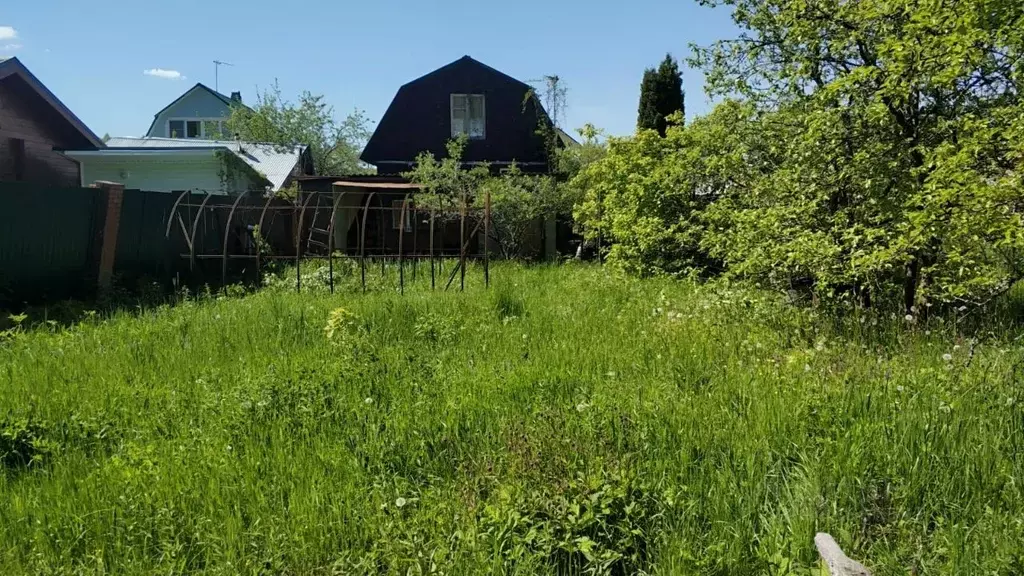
<point>47,238</point>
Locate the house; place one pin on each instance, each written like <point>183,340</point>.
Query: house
<point>199,114</point>
<point>34,127</point>
<point>493,110</point>
<point>176,164</point>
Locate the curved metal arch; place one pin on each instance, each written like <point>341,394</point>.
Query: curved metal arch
<point>330,225</point>
<point>298,239</point>
<point>195,226</point>
<point>362,238</point>
<point>330,238</point>
<point>302,217</point>
<point>174,212</point>
<point>401,240</point>
<point>227,234</point>
<point>266,206</point>
<point>259,230</point>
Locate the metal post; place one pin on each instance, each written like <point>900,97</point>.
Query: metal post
<point>362,239</point>
<point>195,226</point>
<point>401,242</point>
<point>330,236</point>
<point>487,230</point>
<point>227,236</point>
<point>259,243</point>
<point>433,211</point>
<point>462,243</point>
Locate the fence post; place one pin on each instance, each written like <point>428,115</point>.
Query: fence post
<point>837,561</point>
<point>106,232</point>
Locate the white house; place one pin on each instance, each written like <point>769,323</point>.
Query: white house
<point>177,164</point>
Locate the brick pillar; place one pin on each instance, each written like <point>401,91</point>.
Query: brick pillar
<point>107,232</point>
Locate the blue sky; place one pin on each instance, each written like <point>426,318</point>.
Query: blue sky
<point>93,55</point>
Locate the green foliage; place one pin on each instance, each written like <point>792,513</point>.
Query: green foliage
<point>868,151</point>
<point>518,202</point>
<point>645,197</point>
<point>661,96</point>
<point>334,144</point>
<point>566,420</point>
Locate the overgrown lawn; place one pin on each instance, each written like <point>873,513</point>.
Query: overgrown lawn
<point>566,420</point>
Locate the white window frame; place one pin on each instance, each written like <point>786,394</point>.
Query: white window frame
<point>483,111</point>
<point>202,127</point>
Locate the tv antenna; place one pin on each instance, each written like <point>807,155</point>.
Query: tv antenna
<point>216,73</point>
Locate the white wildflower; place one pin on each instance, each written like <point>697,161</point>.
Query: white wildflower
<point>368,401</point>
<point>399,502</point>
<point>947,357</point>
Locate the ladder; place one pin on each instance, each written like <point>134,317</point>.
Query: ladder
<point>319,237</point>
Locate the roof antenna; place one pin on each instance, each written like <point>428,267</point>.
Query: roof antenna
<point>216,73</point>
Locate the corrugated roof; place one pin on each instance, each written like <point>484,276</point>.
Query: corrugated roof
<point>273,161</point>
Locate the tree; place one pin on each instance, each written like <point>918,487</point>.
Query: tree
<point>518,201</point>
<point>334,144</point>
<point>897,125</point>
<point>661,95</point>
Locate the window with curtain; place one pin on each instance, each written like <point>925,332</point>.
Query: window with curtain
<point>468,115</point>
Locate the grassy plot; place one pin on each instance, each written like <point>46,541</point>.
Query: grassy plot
<point>565,420</point>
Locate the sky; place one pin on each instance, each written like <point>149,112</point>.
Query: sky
<point>116,63</point>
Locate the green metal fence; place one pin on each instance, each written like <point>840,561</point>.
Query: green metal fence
<point>47,241</point>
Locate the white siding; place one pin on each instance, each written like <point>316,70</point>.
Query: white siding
<point>158,174</point>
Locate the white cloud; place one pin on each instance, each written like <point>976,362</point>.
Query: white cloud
<point>11,47</point>
<point>8,33</point>
<point>161,73</point>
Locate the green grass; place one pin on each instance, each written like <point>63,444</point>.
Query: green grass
<point>565,420</point>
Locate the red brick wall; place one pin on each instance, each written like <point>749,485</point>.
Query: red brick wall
<point>24,117</point>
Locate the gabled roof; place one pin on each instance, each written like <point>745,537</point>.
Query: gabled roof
<point>273,162</point>
<point>467,59</point>
<point>418,119</point>
<point>14,67</point>
<point>199,86</point>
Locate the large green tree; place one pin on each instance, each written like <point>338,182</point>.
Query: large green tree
<point>334,143</point>
<point>661,96</point>
<point>899,123</point>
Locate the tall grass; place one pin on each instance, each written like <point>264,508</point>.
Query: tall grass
<point>563,421</point>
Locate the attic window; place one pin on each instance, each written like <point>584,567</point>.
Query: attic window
<point>205,128</point>
<point>468,116</point>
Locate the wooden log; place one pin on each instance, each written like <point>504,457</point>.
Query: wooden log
<point>837,561</point>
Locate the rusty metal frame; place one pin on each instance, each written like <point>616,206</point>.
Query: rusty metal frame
<point>227,236</point>
<point>195,226</point>
<point>456,211</point>
<point>330,235</point>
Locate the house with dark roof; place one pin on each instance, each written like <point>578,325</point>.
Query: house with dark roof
<point>200,113</point>
<point>494,111</point>
<point>35,126</point>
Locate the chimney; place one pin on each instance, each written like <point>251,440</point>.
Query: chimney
<point>236,97</point>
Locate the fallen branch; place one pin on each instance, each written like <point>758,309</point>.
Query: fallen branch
<point>838,563</point>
